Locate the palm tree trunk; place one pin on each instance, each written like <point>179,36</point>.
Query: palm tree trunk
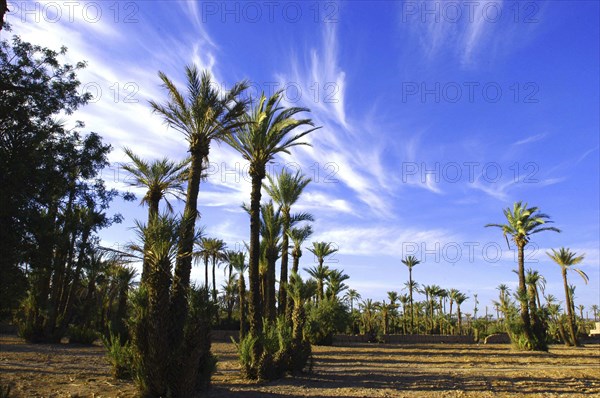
<point>412,308</point>
<point>152,213</point>
<point>241,294</point>
<point>569,309</point>
<point>214,280</point>
<point>254,308</point>
<point>283,275</point>
<point>206,272</point>
<point>183,264</point>
<point>523,294</point>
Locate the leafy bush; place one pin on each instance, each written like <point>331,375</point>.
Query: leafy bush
<point>120,356</point>
<point>324,320</point>
<point>82,335</point>
<point>281,353</point>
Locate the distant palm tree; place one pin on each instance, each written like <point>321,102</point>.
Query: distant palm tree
<point>595,312</point>
<point>352,296</point>
<point>285,190</point>
<point>321,250</point>
<point>566,259</point>
<point>203,115</point>
<point>452,296</point>
<point>270,231</point>
<point>265,133</point>
<point>410,262</point>
<point>522,222</point>
<point>459,298</point>
<point>161,178</point>
<point>238,262</point>
<point>298,237</point>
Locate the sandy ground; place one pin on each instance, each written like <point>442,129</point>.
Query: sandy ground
<point>358,371</point>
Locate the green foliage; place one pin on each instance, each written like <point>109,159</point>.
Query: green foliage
<point>324,320</point>
<point>280,352</point>
<point>120,356</point>
<point>82,335</point>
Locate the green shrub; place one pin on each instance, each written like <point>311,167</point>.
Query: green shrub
<point>82,335</point>
<point>120,356</point>
<point>324,320</point>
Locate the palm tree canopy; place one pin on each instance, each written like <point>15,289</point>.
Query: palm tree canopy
<point>286,188</point>
<point>206,113</point>
<point>566,259</point>
<point>410,261</point>
<point>161,177</point>
<point>263,132</point>
<point>523,221</point>
<point>322,249</point>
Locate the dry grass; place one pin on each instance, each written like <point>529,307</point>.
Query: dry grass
<point>359,371</point>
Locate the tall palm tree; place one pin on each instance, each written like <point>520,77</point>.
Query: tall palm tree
<point>269,129</point>
<point>410,262</point>
<point>566,259</point>
<point>321,250</point>
<point>595,312</point>
<point>204,115</point>
<point>285,190</point>
<point>351,296</point>
<point>161,178</point>
<point>522,222</point>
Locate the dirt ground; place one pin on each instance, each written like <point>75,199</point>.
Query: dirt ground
<point>358,371</point>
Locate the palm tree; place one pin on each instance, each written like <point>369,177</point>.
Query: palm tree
<point>298,236</point>
<point>522,222</point>
<point>566,259</point>
<point>238,262</point>
<point>368,308</point>
<point>161,178</point>
<point>203,252</point>
<point>335,283</point>
<point>270,231</point>
<point>536,283</point>
<point>459,298</point>
<point>265,133</point>
<point>319,273</point>
<point>595,312</point>
<point>404,300</point>
<point>410,262</point>
<point>204,115</point>
<point>321,250</point>
<point>216,250</point>
<point>452,296</point>
<point>385,310</point>
<point>285,190</point>
<point>352,296</point>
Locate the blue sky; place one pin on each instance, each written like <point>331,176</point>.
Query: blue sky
<point>435,116</point>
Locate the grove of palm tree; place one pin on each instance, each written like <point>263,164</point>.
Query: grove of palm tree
<point>285,291</point>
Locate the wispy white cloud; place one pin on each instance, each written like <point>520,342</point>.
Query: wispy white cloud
<point>530,139</point>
